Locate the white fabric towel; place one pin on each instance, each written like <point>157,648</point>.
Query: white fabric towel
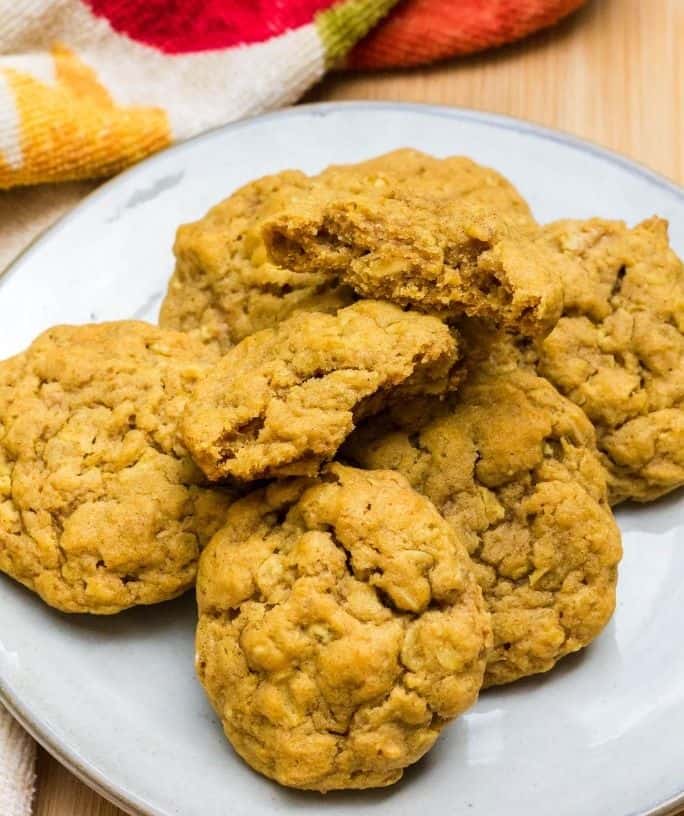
<point>17,768</point>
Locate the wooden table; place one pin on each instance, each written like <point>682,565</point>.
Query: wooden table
<point>614,73</point>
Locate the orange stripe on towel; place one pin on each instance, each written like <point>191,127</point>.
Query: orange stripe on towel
<point>420,31</point>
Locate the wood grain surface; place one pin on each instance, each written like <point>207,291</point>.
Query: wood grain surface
<point>614,73</point>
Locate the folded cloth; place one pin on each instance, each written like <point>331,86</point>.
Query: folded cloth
<point>420,31</point>
<point>17,776</point>
<point>88,87</point>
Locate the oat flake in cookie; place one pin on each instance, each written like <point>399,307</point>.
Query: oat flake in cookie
<point>341,627</point>
<point>101,507</point>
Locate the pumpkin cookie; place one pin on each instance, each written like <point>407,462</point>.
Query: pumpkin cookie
<point>341,627</point>
<point>224,287</point>
<point>283,400</point>
<point>512,466</point>
<point>101,508</point>
<point>618,350</point>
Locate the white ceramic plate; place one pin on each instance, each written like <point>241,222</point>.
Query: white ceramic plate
<point>116,699</point>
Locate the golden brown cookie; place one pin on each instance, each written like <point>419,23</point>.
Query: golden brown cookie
<point>451,258</point>
<point>283,400</point>
<point>512,466</point>
<point>618,350</point>
<point>340,628</point>
<point>101,508</point>
<point>412,172</point>
<point>224,288</point>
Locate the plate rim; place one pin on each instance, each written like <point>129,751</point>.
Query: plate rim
<point>500,120</point>
<point>39,731</point>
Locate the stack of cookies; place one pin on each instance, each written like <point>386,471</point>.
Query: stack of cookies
<point>381,425</point>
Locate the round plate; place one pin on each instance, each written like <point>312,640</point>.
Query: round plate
<point>115,699</point>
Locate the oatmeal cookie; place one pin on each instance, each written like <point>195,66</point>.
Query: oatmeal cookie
<point>512,465</point>
<point>101,507</point>
<point>618,350</point>
<point>447,257</point>
<point>224,287</point>
<point>340,628</point>
<point>283,400</point>
<point>412,172</point>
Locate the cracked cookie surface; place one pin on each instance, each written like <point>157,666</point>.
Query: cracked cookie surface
<point>224,287</point>
<point>340,628</point>
<point>449,257</point>
<point>283,400</point>
<point>512,465</point>
<point>618,350</point>
<point>101,507</point>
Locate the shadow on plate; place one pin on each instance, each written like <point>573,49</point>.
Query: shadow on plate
<point>138,623</point>
<point>568,665</point>
<point>363,798</point>
<point>455,752</point>
<point>659,516</point>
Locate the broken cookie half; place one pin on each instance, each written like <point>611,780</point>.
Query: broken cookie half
<point>224,286</point>
<point>283,400</point>
<point>451,258</point>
